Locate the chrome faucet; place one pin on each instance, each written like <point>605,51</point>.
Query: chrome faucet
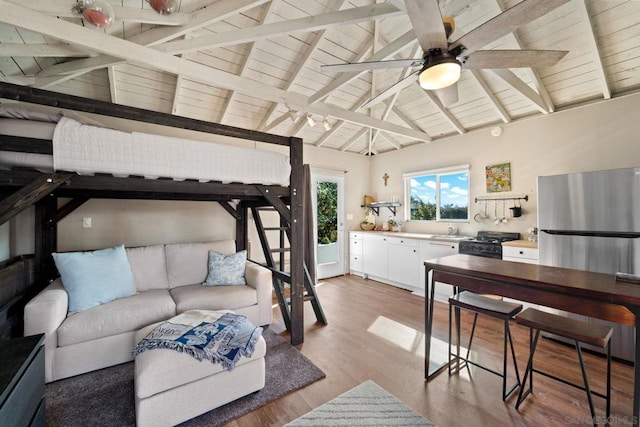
<point>453,231</point>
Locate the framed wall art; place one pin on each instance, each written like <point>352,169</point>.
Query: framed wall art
<point>498,177</point>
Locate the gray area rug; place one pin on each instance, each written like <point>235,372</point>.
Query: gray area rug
<point>365,405</point>
<point>105,397</point>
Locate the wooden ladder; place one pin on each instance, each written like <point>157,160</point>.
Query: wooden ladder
<point>280,276</point>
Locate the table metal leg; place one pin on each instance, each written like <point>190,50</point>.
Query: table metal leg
<point>433,363</point>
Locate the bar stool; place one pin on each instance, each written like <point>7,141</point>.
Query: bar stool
<point>576,330</point>
<point>497,309</point>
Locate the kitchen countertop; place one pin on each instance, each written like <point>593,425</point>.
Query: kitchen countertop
<point>422,236</point>
<point>521,244</point>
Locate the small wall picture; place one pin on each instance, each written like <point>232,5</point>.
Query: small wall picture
<point>498,177</point>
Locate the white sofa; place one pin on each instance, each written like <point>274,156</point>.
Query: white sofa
<point>168,282</point>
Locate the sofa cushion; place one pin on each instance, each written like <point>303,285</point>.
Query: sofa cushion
<point>116,317</point>
<point>198,297</point>
<point>95,277</point>
<point>226,269</point>
<point>149,267</point>
<point>187,262</point>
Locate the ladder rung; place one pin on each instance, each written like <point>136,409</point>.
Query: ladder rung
<point>280,250</point>
<point>266,208</point>
<point>275,228</point>
<point>304,298</point>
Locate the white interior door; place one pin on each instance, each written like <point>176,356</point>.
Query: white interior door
<point>328,224</point>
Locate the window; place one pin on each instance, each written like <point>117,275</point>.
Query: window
<point>437,195</point>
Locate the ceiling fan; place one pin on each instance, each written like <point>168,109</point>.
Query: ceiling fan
<point>442,60</point>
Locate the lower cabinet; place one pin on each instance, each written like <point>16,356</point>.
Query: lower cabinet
<point>430,249</point>
<point>375,251</point>
<point>404,262</point>
<point>526,254</point>
<point>397,261</point>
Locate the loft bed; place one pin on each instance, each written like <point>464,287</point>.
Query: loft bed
<point>30,174</point>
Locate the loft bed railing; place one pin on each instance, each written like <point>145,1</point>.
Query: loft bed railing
<point>20,189</point>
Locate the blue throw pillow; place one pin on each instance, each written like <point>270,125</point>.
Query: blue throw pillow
<point>226,269</point>
<point>95,277</point>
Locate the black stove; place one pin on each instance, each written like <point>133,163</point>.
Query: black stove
<point>486,243</point>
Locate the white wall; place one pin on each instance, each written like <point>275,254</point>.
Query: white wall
<point>597,136</point>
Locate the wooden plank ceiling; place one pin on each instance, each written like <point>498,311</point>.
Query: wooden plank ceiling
<point>256,64</point>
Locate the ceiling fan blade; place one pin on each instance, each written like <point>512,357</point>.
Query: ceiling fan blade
<point>373,65</point>
<point>391,90</point>
<point>524,12</point>
<point>512,58</point>
<point>449,95</point>
<point>427,23</point>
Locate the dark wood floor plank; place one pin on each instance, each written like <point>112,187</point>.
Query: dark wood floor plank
<point>375,333</point>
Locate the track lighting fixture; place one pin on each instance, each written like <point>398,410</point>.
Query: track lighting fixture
<point>326,124</point>
<point>310,120</point>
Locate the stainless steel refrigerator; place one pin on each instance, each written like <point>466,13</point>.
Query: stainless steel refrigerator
<point>591,221</point>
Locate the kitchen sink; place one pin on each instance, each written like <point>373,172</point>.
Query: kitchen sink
<point>449,237</point>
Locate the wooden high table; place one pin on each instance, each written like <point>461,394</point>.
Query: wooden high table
<point>582,292</point>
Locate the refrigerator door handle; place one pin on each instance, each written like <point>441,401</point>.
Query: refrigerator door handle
<point>616,234</point>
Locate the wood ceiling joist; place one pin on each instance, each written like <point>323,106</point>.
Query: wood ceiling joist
<point>582,8</point>
<point>354,139</point>
<point>522,88</point>
<point>446,113</point>
<point>43,50</point>
<point>278,29</point>
<point>542,90</point>
<point>495,102</point>
<point>144,56</point>
<point>246,60</point>
<point>214,13</point>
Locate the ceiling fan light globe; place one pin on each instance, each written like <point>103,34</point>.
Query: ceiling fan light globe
<point>439,76</point>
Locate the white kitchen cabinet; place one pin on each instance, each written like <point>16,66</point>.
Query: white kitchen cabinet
<point>375,251</point>
<point>521,251</point>
<point>404,262</point>
<point>430,249</point>
<point>355,253</point>
<point>520,254</point>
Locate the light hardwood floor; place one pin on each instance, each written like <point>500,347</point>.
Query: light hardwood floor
<point>375,332</point>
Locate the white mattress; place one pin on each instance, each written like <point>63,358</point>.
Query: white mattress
<point>87,150</point>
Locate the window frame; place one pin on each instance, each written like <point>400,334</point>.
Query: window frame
<point>466,168</point>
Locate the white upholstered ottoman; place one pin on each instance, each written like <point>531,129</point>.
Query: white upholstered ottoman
<point>172,387</point>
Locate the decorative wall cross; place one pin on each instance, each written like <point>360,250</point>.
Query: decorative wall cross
<point>386,178</point>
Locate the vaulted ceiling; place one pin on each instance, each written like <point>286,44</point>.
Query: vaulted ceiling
<point>256,64</point>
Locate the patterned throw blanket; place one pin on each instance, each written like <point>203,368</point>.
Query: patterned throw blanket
<point>219,340</point>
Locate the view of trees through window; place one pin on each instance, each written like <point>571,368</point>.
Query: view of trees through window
<point>327,212</point>
<point>436,196</point>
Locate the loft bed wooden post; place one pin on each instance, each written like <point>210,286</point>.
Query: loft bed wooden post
<point>242,227</point>
<point>46,237</point>
<point>297,255</point>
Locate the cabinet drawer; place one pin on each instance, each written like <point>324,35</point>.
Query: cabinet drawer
<point>355,235</point>
<point>517,252</point>
<point>355,246</point>
<point>355,263</point>
<point>404,241</point>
